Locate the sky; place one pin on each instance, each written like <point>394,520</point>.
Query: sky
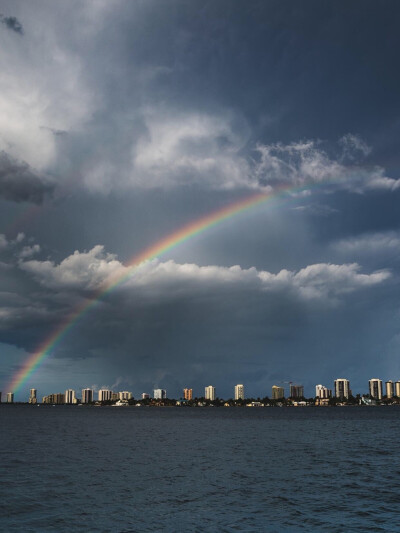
<point>121,122</point>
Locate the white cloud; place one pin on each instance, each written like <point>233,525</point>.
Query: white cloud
<point>370,243</point>
<point>306,163</point>
<point>29,251</point>
<point>94,269</point>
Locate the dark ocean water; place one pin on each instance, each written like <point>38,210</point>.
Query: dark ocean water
<point>199,469</point>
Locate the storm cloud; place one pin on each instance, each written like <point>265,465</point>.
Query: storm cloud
<point>125,121</point>
<point>19,182</point>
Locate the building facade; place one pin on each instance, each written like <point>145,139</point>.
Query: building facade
<point>32,396</point>
<point>296,391</point>
<point>239,392</point>
<point>397,389</point>
<point>125,395</point>
<point>209,393</point>
<point>390,392</point>
<point>87,395</point>
<point>10,397</point>
<point>278,393</point>
<point>322,392</point>
<point>70,396</point>
<point>159,394</point>
<point>375,388</point>
<point>188,394</point>
<point>105,395</point>
<point>145,396</point>
<point>342,388</point>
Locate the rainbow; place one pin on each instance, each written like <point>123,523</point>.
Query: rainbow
<point>158,249</point>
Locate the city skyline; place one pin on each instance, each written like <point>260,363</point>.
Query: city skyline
<point>377,389</point>
<point>194,193</point>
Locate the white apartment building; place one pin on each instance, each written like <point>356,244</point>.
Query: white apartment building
<point>397,388</point>
<point>32,396</point>
<point>125,395</point>
<point>239,392</point>
<point>105,395</point>
<point>159,394</point>
<point>390,389</point>
<point>209,393</point>
<point>10,397</point>
<point>322,392</point>
<point>87,395</point>
<point>342,388</point>
<point>70,396</point>
<point>375,388</point>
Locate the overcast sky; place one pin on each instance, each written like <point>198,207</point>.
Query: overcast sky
<point>120,122</point>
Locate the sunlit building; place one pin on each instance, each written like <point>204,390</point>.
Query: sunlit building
<point>105,395</point>
<point>322,392</point>
<point>145,396</point>
<point>342,388</point>
<point>159,394</point>
<point>209,393</point>
<point>397,388</point>
<point>125,395</point>
<point>10,397</point>
<point>70,396</point>
<point>389,389</point>
<point>188,394</point>
<point>32,396</point>
<point>239,392</point>
<point>278,393</point>
<point>87,395</point>
<point>375,388</point>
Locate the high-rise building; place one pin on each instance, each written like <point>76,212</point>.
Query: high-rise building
<point>159,394</point>
<point>70,396</point>
<point>239,392</point>
<point>87,395</point>
<point>188,394</point>
<point>278,393</point>
<point>10,397</point>
<point>209,393</point>
<point>296,391</point>
<point>125,395</point>
<point>342,388</point>
<point>389,389</point>
<point>105,395</point>
<point>0,396</point>
<point>397,388</point>
<point>322,392</point>
<point>375,388</point>
<point>145,396</point>
<point>32,396</point>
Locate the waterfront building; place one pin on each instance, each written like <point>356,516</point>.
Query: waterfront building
<point>322,392</point>
<point>0,396</point>
<point>125,395</point>
<point>70,396</point>
<point>10,397</point>
<point>278,393</point>
<point>159,394</point>
<point>389,389</point>
<point>57,398</point>
<point>375,388</point>
<point>32,396</point>
<point>114,396</point>
<point>342,388</point>
<point>87,395</point>
<point>209,393</point>
<point>397,388</point>
<point>105,395</point>
<point>188,394</point>
<point>145,396</point>
<point>296,391</point>
<point>239,392</point>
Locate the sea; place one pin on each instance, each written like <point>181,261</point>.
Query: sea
<point>139,469</point>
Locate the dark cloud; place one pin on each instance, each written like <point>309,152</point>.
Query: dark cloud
<point>12,23</point>
<point>19,182</point>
